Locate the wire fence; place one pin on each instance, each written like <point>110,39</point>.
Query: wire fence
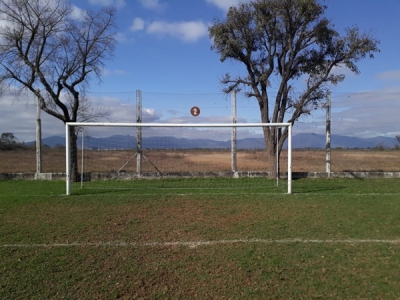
<point>364,127</point>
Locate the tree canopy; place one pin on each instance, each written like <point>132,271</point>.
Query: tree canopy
<point>8,141</point>
<point>52,50</point>
<point>289,48</point>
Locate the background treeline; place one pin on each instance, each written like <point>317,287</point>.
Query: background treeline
<point>8,141</point>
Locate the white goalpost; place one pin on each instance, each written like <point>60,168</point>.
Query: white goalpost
<point>163,156</point>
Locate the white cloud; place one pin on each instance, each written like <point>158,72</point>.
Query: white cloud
<point>78,13</point>
<point>107,72</point>
<point>19,117</point>
<point>152,4</point>
<point>187,31</point>
<point>362,114</point>
<point>225,4</point>
<point>138,24</point>
<point>342,69</point>
<point>121,37</point>
<point>117,3</point>
<point>389,75</point>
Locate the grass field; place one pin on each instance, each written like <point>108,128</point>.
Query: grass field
<point>332,239</point>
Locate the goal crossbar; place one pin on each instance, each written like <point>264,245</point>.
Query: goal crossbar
<point>196,125</point>
<point>77,124</point>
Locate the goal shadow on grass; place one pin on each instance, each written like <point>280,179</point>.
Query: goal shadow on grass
<point>346,185</point>
<point>183,186</point>
<point>240,186</point>
<point>309,186</point>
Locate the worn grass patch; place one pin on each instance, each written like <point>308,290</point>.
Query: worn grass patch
<point>239,271</point>
<point>337,238</point>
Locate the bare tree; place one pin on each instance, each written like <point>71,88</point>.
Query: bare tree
<point>287,46</point>
<point>53,50</point>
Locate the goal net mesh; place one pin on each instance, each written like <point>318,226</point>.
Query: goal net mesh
<point>157,159</point>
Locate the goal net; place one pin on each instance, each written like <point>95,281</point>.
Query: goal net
<point>162,158</point>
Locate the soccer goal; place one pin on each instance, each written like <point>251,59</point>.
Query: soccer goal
<point>154,157</point>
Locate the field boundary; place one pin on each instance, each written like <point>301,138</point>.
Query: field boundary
<point>295,175</point>
<point>195,244</point>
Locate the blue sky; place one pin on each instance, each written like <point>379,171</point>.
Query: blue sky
<point>164,51</point>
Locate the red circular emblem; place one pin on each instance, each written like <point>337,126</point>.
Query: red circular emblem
<point>195,111</point>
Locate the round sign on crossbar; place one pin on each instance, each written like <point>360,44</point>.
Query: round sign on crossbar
<point>195,111</point>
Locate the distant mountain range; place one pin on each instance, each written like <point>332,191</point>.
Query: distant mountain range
<point>302,140</point>
<point>309,140</point>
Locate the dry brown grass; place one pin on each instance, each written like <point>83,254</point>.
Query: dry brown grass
<point>24,161</point>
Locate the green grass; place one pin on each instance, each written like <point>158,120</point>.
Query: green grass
<point>213,185</point>
<point>332,239</point>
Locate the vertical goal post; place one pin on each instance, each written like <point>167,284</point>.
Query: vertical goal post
<point>77,125</point>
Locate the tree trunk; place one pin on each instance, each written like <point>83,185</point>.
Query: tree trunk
<point>270,141</point>
<point>273,163</point>
<point>271,146</point>
<point>74,155</point>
